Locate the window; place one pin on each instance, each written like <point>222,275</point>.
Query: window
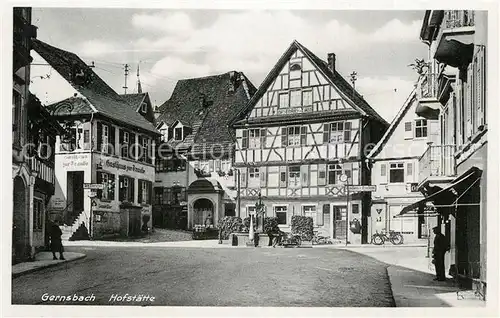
<point>396,173</point>
<point>16,109</point>
<point>127,189</point>
<point>310,211</point>
<point>161,165</point>
<point>253,173</point>
<point>125,137</point>
<point>421,128</point>
<point>295,98</point>
<point>294,136</point>
<point>108,180</point>
<point>294,176</point>
<point>144,107</point>
<point>254,138</point>
<point>337,132</point>
<point>144,192</point>
<point>178,133</point>
<point>158,195</point>
<point>251,210</point>
<point>105,138</point>
<point>281,214</point>
<point>355,208</point>
<point>408,134</point>
<point>175,164</point>
<point>164,134</point>
<point>283,100</point>
<point>145,149</point>
<point>225,165</point>
<point>295,71</point>
<point>38,211</point>
<point>307,98</point>
<point>334,172</point>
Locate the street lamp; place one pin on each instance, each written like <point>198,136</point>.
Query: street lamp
<point>345,179</point>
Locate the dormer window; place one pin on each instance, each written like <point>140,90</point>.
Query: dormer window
<point>164,134</point>
<point>144,107</point>
<point>178,135</point>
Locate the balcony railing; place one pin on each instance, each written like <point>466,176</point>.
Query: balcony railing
<point>437,161</point>
<point>44,168</point>
<point>428,87</point>
<point>458,18</point>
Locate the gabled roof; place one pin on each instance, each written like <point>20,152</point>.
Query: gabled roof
<point>210,121</point>
<point>134,100</point>
<point>100,96</point>
<point>395,123</point>
<point>345,89</point>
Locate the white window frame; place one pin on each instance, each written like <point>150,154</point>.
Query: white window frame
<point>313,214</point>
<point>105,138</point>
<point>293,138</point>
<point>335,168</point>
<point>396,166</point>
<point>283,104</point>
<point>145,193</point>
<point>310,100</point>
<point>285,206</point>
<point>144,107</point>
<point>254,138</point>
<point>337,134</point>
<point>164,134</point>
<point>294,181</point>
<point>126,137</point>
<point>253,173</point>
<point>251,207</point>
<point>295,74</point>
<point>293,101</point>
<point>422,127</point>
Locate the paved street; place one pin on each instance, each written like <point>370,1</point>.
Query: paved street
<point>212,277</point>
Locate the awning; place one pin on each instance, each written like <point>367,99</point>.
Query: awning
<point>448,196</point>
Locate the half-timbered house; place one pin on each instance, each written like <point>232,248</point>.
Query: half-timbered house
<point>304,127</point>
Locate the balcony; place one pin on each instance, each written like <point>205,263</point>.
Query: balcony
<point>456,38</point>
<point>437,165</point>
<point>427,95</point>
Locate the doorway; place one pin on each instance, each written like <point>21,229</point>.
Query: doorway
<point>20,219</point>
<point>203,210</point>
<point>75,195</point>
<point>339,222</point>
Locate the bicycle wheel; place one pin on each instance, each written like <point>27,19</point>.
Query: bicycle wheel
<point>397,239</point>
<point>299,241</point>
<point>377,239</point>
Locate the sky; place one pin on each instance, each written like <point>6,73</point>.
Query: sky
<point>173,44</point>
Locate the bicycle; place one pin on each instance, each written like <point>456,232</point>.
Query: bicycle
<point>394,237</point>
<point>290,240</point>
<point>320,239</point>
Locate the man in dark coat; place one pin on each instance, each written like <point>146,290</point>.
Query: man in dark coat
<point>441,246</point>
<point>55,240</point>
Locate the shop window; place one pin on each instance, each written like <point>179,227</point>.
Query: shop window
<point>281,213</point>
<point>108,180</point>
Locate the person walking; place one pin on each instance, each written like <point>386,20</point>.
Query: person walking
<point>441,246</point>
<point>55,234</point>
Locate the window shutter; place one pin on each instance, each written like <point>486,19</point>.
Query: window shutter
<point>481,83</point>
<point>139,197</point>
<point>347,131</point>
<point>326,133</point>
<point>99,181</point>
<point>99,135</point>
<point>303,135</point>
<point>263,176</point>
<point>408,130</point>
<point>409,172</point>
<point>319,218</point>
<point>131,192</point>
<point>244,141</point>
<point>322,174</point>
<point>468,103</point>
<point>217,165</point>
<point>131,142</point>
<point>86,135</point>
<point>284,139</point>
<point>263,137</point>
<point>210,165</point>
<point>283,177</point>
<point>383,173</point>
<point>304,171</point>
<point>150,192</point>
<point>121,189</point>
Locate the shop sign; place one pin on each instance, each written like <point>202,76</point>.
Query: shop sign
<point>71,161</point>
<point>120,166</point>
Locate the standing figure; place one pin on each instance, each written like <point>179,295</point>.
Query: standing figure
<point>441,246</point>
<point>55,240</point>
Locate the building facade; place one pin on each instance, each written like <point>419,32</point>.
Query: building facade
<point>107,143</point>
<point>195,180</point>
<point>304,128</point>
<point>453,172</point>
<point>23,177</point>
<point>395,172</point>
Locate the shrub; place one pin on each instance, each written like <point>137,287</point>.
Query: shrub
<point>246,224</point>
<point>303,226</point>
<point>271,225</point>
<point>228,225</point>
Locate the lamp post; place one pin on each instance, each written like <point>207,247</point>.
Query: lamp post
<point>259,211</point>
<point>345,179</point>
<point>92,196</point>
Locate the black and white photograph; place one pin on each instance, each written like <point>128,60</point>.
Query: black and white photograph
<point>230,155</point>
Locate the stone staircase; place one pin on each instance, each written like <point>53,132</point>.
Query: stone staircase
<point>69,231</point>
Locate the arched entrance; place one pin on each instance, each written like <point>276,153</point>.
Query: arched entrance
<point>203,212</point>
<point>19,233</point>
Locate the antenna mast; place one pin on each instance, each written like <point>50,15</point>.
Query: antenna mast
<point>139,87</point>
<point>126,74</point>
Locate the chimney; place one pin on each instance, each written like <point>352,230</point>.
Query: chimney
<point>331,62</point>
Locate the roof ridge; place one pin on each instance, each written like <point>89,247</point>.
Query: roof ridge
<point>394,123</point>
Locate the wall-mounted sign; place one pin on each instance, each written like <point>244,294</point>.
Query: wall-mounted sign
<point>58,203</point>
<point>75,161</point>
<point>120,166</point>
<point>363,188</point>
<point>413,187</point>
<point>93,186</point>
